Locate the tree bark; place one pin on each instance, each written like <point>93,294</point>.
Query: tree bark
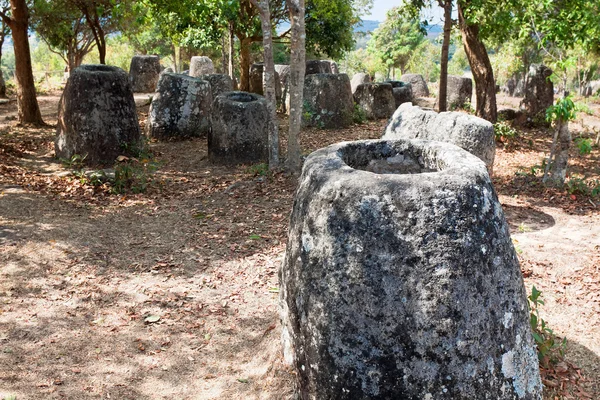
<point>231,50</point>
<point>443,88</point>
<point>269,81</point>
<point>245,63</point>
<point>296,81</point>
<point>556,170</point>
<point>483,74</point>
<point>29,110</point>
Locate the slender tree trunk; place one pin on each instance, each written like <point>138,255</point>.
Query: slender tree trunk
<point>231,50</point>
<point>29,110</point>
<point>443,88</point>
<point>296,81</point>
<point>269,81</point>
<point>245,64</point>
<point>483,74</point>
<point>223,55</point>
<point>2,36</point>
<point>556,166</point>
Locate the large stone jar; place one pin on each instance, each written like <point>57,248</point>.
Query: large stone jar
<point>180,108</point>
<point>239,134</point>
<point>96,115</point>
<point>328,101</point>
<point>376,99</point>
<point>143,73</point>
<point>400,280</point>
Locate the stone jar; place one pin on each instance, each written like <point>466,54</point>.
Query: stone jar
<point>359,79</point>
<point>539,93</point>
<point>400,280</point>
<point>239,134</point>
<point>419,86</point>
<point>469,132</point>
<point>96,115</point>
<point>402,92</point>
<point>328,101</point>
<point>376,99</point>
<point>180,108</point>
<point>459,91</point>
<point>219,83</point>
<point>144,72</point>
<point>201,65</point>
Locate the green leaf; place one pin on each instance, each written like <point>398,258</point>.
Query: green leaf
<point>243,380</point>
<point>255,237</point>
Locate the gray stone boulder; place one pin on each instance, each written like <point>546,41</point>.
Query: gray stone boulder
<point>219,83</point>
<point>471,133</point>
<point>96,115</point>
<point>539,92</point>
<point>359,79</point>
<point>143,73</point>
<point>257,81</point>
<point>168,70</point>
<point>201,65</point>
<point>328,101</point>
<point>591,89</point>
<point>180,108</point>
<point>239,132</point>
<point>418,84</point>
<point>459,91</point>
<point>402,92</point>
<point>318,67</point>
<point>376,99</point>
<point>400,280</point>
<point>284,72</point>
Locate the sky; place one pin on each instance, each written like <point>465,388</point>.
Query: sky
<point>380,7</point>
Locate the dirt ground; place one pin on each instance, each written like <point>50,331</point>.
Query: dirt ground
<point>172,294</point>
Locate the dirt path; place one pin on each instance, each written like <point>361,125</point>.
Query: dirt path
<point>173,294</point>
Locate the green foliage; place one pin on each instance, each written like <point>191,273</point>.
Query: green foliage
<point>459,62</point>
<point>550,350</point>
<point>425,61</point>
<point>584,145</point>
<point>118,53</point>
<point>582,186</point>
<point>584,108</point>
<point>134,174</point>
<point>261,169</point>
<point>396,39</point>
<point>504,132</point>
<point>359,116</point>
<point>562,111</point>
<point>329,27</point>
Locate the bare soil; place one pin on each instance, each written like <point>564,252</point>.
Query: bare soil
<point>172,294</point>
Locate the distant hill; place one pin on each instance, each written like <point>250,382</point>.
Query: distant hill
<point>366,26</point>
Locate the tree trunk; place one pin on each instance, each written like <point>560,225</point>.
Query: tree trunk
<point>556,170</point>
<point>269,81</point>
<point>29,110</point>
<point>483,74</point>
<point>231,50</point>
<point>296,81</point>
<point>443,88</point>
<point>245,64</point>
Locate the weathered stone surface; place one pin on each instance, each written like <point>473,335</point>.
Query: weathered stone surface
<point>328,101</point>
<point>96,115</point>
<point>471,133</point>
<point>591,89</point>
<point>377,99</point>
<point>257,81</point>
<point>507,114</point>
<point>284,72</point>
<point>143,73</point>
<point>219,83</point>
<point>239,133</point>
<point>180,108</point>
<point>459,92</point>
<point>359,79</point>
<point>168,70</point>
<point>201,65</point>
<point>318,67</point>
<point>418,84</point>
<point>402,92</point>
<point>400,280</point>
<point>539,91</point>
